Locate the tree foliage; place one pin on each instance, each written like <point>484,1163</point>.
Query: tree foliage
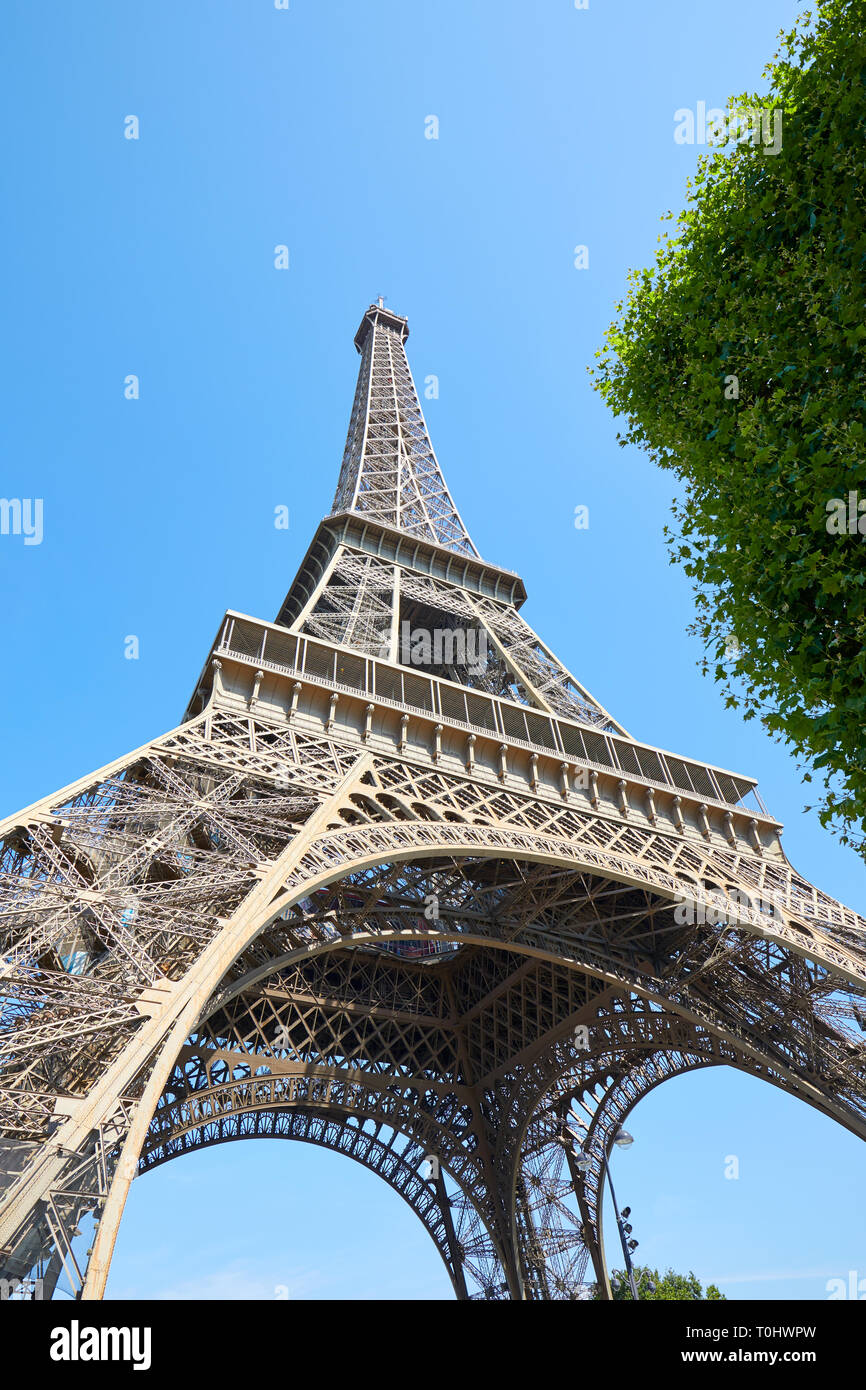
<point>666,1287</point>
<point>737,361</point>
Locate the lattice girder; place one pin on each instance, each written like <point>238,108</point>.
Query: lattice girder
<point>389,469</point>
<point>370,605</point>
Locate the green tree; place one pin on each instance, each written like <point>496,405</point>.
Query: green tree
<point>737,361</point>
<point>665,1287</point>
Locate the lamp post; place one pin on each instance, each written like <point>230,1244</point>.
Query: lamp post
<point>622,1139</point>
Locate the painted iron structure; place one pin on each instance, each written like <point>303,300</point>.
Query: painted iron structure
<point>442,915</point>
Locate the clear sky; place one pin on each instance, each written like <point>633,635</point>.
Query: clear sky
<point>155,257</point>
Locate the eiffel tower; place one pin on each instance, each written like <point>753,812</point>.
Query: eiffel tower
<point>397,885</point>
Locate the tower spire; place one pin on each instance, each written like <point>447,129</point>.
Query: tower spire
<point>390,472</point>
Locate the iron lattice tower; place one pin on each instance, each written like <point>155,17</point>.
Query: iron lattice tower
<point>401,903</point>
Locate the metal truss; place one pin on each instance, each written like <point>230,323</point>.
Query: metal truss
<point>354,608</point>
<point>332,906</point>
<point>390,471</point>
<point>364,603</point>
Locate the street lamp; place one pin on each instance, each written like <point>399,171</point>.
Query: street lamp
<point>623,1139</point>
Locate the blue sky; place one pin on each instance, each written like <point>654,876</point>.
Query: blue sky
<point>155,257</point>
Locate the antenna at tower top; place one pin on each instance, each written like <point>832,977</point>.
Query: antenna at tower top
<point>381,300</point>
